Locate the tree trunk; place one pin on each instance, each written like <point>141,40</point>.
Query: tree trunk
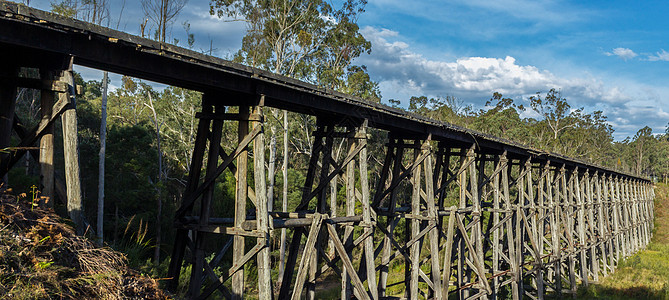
<point>270,172</point>
<point>101,165</point>
<point>159,202</point>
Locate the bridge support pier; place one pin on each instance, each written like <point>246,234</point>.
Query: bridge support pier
<point>60,87</point>
<point>462,221</point>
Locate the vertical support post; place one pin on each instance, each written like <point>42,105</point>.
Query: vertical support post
<point>414,251</point>
<point>46,144</point>
<point>519,230</point>
<point>510,227</point>
<point>536,233</point>
<point>556,215</point>
<point>433,215</point>
<point>592,241</point>
<point>321,204</point>
<point>304,204</point>
<point>568,196</point>
<point>241,196</point>
<point>346,287</point>
<point>615,198</point>
<point>368,223</point>
<point>284,199</point>
<point>71,151</point>
<point>580,202</point>
<point>610,219</point>
<point>193,180</point>
<point>205,207</point>
<point>600,225</point>
<point>394,155</point>
<point>477,219</point>
<point>465,160</point>
<point>262,205</point>
<point>496,247</point>
<point>622,201</point>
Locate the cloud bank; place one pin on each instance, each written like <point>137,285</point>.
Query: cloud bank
<point>403,73</point>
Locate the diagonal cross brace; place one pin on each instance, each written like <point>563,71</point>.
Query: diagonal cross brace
<point>190,199</point>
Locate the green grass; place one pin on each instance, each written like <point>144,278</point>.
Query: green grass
<point>644,275</point>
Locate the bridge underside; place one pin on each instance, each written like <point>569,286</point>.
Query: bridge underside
<point>451,212</point>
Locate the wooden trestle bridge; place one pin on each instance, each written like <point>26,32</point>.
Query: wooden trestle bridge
<point>526,224</point>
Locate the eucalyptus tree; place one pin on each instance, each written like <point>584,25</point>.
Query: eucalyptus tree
<point>162,14</point>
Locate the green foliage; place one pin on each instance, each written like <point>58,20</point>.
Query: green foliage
<point>305,39</point>
<point>559,129</point>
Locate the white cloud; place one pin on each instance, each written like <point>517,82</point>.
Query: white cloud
<point>403,73</point>
<point>660,56</point>
<point>624,53</point>
<point>394,61</point>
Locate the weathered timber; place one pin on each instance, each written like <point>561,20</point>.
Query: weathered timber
<point>71,151</point>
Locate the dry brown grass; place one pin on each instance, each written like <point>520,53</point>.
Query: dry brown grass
<point>42,258</point>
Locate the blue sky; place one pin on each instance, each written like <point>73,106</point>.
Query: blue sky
<point>602,55</point>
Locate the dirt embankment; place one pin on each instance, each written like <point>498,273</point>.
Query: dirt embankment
<point>42,258</point>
